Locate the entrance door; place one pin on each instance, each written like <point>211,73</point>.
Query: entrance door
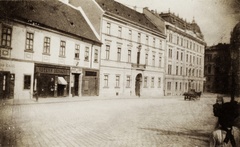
<point>4,85</point>
<point>76,84</point>
<point>138,84</point>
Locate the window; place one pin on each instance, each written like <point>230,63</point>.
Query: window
<point>186,71</point>
<point>154,42</point>
<point>153,60</point>
<point>170,53</point>
<point>96,55</point>
<point>160,60</point>
<point>105,80</point>
<point>177,55</point>
<point>177,40</point>
<point>146,59</point>
<point>128,82</point>
<point>159,82</point>
<point>27,82</point>
<point>176,70</point>
<point>86,56</point>
<point>107,51</point>
<point>117,81</point>
<point>129,55</point>
<point>187,58</point>
<point>169,69</point>
<point>62,48</point>
<point>119,31</point>
<point>180,86</point>
<point>119,54</point>
<point>160,44</point>
<point>77,51</point>
<point>145,81</point>
<point>139,37</point>
<point>130,34</point>
<point>108,28</point>
<point>181,56</point>
<point>170,37</point>
<point>152,82</point>
<point>29,41</point>
<point>181,70</point>
<point>6,36</point>
<point>169,86</point>
<point>147,40</point>
<point>46,46</point>
<point>176,86</point>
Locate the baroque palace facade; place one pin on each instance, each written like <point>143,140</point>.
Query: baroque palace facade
<point>99,48</point>
<point>47,47</point>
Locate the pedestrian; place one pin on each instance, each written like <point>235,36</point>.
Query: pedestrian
<point>225,134</point>
<point>217,108</point>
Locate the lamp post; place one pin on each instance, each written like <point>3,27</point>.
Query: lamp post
<point>234,56</point>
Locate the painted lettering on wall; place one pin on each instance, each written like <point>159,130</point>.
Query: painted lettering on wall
<point>7,65</point>
<point>48,70</point>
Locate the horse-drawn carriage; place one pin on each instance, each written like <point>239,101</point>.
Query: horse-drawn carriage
<point>192,95</point>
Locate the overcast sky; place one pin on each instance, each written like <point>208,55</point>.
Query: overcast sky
<point>216,18</point>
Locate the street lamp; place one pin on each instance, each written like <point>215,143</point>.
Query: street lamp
<point>234,56</point>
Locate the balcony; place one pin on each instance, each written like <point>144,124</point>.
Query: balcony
<point>138,66</point>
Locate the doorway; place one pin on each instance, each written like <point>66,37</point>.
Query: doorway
<point>138,82</point>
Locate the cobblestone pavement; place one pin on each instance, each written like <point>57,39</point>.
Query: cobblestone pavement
<point>133,122</point>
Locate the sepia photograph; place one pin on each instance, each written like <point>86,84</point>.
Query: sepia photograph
<point>119,73</point>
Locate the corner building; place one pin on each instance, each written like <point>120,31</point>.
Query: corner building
<point>47,47</point>
<point>185,48</point>
<point>132,54</point>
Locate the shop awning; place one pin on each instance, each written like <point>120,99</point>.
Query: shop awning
<point>62,81</point>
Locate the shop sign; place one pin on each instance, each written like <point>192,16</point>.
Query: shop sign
<point>76,70</point>
<point>6,65</point>
<point>49,70</point>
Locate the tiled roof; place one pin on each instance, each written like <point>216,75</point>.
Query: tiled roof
<point>113,7</point>
<point>49,13</point>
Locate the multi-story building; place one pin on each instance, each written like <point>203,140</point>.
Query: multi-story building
<point>132,54</point>
<point>48,47</point>
<point>185,48</point>
<point>217,66</point>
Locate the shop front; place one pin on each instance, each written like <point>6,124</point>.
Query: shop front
<point>90,83</point>
<point>51,81</point>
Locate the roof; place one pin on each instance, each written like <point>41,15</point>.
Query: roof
<point>183,24</point>
<point>113,7</point>
<point>49,13</point>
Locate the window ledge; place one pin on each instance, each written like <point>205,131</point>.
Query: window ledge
<point>62,56</point>
<point>30,51</point>
<point>76,58</point>
<point>48,54</point>
<point>6,47</point>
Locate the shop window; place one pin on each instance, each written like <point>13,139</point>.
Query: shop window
<point>6,36</point>
<point>27,82</point>
<point>29,41</point>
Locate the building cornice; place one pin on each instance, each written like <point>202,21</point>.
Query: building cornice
<point>133,24</point>
<point>185,34</point>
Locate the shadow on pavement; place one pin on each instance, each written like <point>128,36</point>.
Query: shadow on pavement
<point>193,134</point>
